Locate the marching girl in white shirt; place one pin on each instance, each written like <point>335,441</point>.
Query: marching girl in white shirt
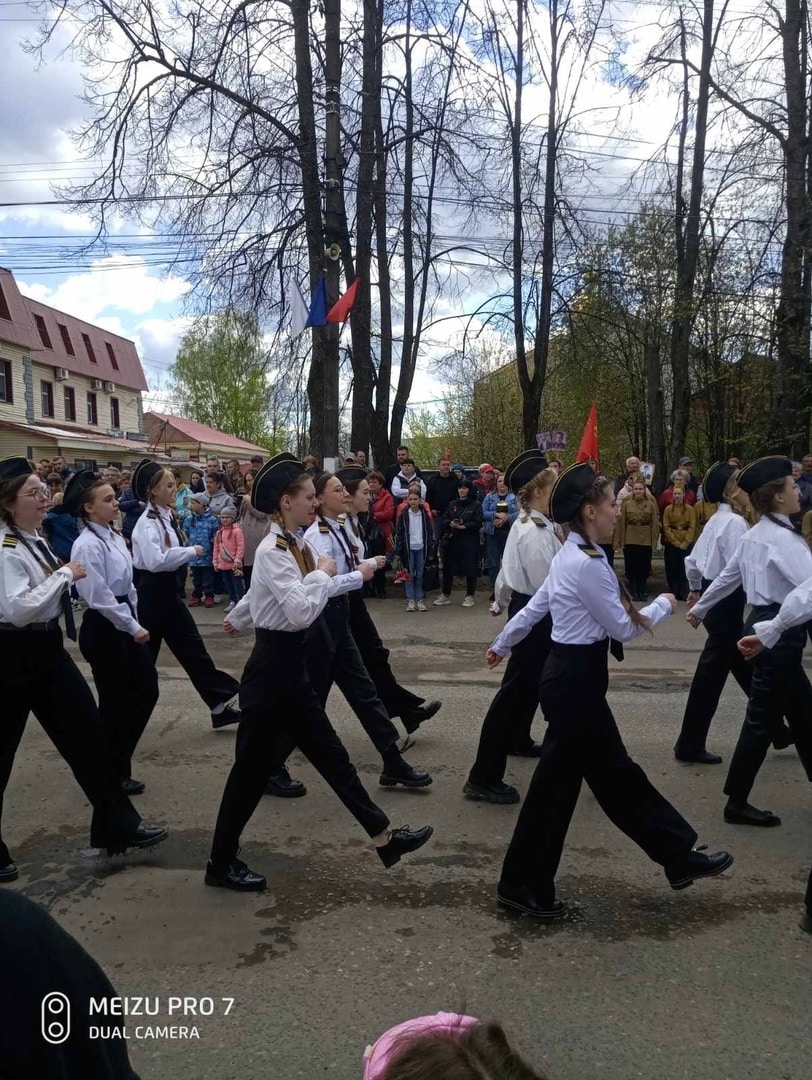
<point>111,639</point>
<point>530,549</point>
<point>770,561</point>
<point>582,594</point>
<point>159,550</point>
<point>37,674</point>
<point>289,591</point>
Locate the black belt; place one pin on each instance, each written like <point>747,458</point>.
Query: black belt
<point>337,602</point>
<point>36,627</point>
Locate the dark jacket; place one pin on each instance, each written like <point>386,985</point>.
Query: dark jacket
<point>441,491</point>
<point>402,546</point>
<point>393,470</point>
<point>463,547</point>
<point>131,510</point>
<point>61,529</point>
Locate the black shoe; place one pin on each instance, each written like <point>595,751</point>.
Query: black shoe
<point>805,923</point>
<point>229,715</point>
<point>524,900</point>
<point>128,786</point>
<point>418,716</point>
<point>745,814</point>
<point>406,775</point>
<point>145,836</point>
<point>701,757</point>
<point>533,749</point>
<point>783,739</point>
<point>284,786</point>
<point>500,793</point>
<point>381,595</point>
<point>237,877</point>
<point>401,842</point>
<point>697,865</point>
<point>9,872</point>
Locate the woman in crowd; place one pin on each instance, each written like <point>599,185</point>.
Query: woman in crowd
<point>196,482</point>
<point>461,544</point>
<point>159,549</point>
<point>500,509</point>
<point>183,495</point>
<point>290,591</point>
<point>54,482</point>
<point>414,545</point>
<point>679,534</point>
<point>582,742</point>
<point>111,638</point>
<point>37,674</point>
<point>531,547</point>
<point>379,540</point>
<point>770,561</point>
<point>254,527</point>
<point>638,533</point>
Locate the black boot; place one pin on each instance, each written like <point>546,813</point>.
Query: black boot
<point>397,771</point>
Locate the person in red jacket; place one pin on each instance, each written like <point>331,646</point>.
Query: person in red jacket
<point>381,525</point>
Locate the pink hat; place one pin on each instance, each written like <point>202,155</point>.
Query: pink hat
<point>377,1058</point>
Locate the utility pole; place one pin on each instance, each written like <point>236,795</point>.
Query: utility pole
<point>335,224</point>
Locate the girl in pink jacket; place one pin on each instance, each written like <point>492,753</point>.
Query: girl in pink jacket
<point>228,554</point>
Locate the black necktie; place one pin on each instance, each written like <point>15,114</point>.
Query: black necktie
<point>616,649</point>
<point>64,600</point>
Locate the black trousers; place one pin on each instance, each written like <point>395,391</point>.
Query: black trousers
<point>506,726</point>
<point>583,743</point>
<point>38,676</point>
<point>449,574</point>
<point>779,688</point>
<point>397,700</point>
<point>674,558</point>
<point>332,656</point>
<point>126,684</point>
<point>168,619</point>
<point>637,561</point>
<point>277,701</point>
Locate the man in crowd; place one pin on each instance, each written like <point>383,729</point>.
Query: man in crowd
<point>686,464</point>
<point>44,469</point>
<point>361,458</point>
<point>234,474</point>
<point>408,475</point>
<point>257,461</point>
<point>441,491</point>
<point>60,466</point>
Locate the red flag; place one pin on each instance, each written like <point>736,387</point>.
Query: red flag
<point>340,311</point>
<point>589,442</point>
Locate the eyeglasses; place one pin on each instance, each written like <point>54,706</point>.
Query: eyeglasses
<point>40,494</point>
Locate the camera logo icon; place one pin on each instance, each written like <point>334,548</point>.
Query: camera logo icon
<point>55,1018</point>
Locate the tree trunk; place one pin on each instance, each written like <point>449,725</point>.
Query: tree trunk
<point>518,209</point>
<point>654,408</point>
<point>335,221</point>
<point>381,449</point>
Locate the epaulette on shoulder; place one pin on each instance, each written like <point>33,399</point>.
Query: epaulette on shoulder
<point>324,527</point>
<point>539,523</point>
<point>9,541</point>
<point>342,520</point>
<point>282,544</point>
<point>593,552</point>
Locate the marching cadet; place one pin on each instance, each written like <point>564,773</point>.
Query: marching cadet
<point>111,639</point>
<point>37,674</point>
<point>333,655</point>
<point>531,547</point>
<point>397,700</point>
<point>159,550</point>
<point>289,591</point>
<point>582,742</point>
<point>770,561</point>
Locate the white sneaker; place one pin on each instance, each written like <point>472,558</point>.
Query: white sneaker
<point>410,606</point>
<point>217,599</point>
<point>421,606</point>
<point>468,601</point>
<point>442,600</point>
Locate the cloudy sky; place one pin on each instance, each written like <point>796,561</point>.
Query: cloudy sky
<point>132,294</point>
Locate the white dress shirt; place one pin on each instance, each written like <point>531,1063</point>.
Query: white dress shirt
<point>582,593</point>
<point>28,594</point>
<point>330,543</point>
<point>530,549</point>
<point>109,566</point>
<point>715,547</point>
<point>149,543</point>
<point>769,562</point>
<point>795,611</point>
<point>279,597</point>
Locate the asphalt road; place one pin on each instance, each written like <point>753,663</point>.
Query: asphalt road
<point>712,983</point>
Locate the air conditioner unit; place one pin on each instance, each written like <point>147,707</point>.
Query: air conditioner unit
<point>61,373</point>
<point>96,384</point>
<point>110,388</point>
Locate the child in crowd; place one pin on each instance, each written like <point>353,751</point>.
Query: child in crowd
<point>229,551</point>
<point>415,546</point>
<point>200,525</point>
<point>446,1045</point>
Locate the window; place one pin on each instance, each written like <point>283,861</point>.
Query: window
<point>4,311</point>
<point>6,392</point>
<point>92,410</point>
<point>45,337</point>
<point>112,355</point>
<point>70,403</point>
<point>89,347</point>
<point>115,419</point>
<point>47,394</point>
<point>66,341</point>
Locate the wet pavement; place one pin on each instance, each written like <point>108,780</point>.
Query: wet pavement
<point>638,981</point>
